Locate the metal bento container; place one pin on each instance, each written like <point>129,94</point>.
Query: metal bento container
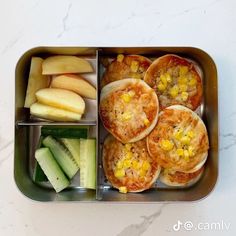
<point>27,130</point>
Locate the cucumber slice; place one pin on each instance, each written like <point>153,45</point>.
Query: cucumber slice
<point>65,132</point>
<point>39,175</point>
<point>51,169</point>
<point>73,145</point>
<point>88,163</point>
<point>62,156</point>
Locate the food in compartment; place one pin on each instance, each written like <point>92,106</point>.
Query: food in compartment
<point>129,167</point>
<point>75,83</point>
<point>88,163</point>
<point>176,80</point>
<point>71,150</point>
<point>128,109</point>
<point>51,169</point>
<point>126,66</point>
<point>56,96</point>
<point>179,141</point>
<point>180,179</point>
<point>62,64</point>
<point>36,81</point>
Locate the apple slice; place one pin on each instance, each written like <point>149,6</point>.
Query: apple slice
<point>52,113</point>
<point>65,64</point>
<point>36,81</point>
<point>76,84</point>
<point>62,99</point>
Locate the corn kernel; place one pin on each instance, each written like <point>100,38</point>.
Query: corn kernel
<point>163,79</point>
<point>136,75</point>
<point>185,140</point>
<point>168,78</point>
<point>191,151</point>
<point>178,134</point>
<point>135,165</point>
<point>123,189</point>
<point>180,152</point>
<point>183,70</point>
<point>174,91</point>
<point>186,153</point>
<point>146,122</point>
<point>128,155</point>
<point>146,165</point>
<point>126,116</point>
<point>119,173</point>
<point>142,172</point>
<point>119,164</point>
<point>120,57</point>
<point>190,134</point>
<point>127,163</point>
<point>183,87</point>
<point>184,96</point>
<point>126,97</point>
<point>192,82</point>
<point>182,80</point>
<point>166,145</point>
<point>134,66</point>
<point>161,86</point>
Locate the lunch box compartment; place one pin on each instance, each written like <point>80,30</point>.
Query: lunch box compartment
<point>27,130</point>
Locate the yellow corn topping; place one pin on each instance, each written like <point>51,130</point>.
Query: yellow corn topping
<point>134,66</point>
<point>126,116</point>
<point>146,121</point>
<point>136,75</point>
<point>126,97</point>
<point>136,165</point>
<point>191,151</point>
<point>186,155</point>
<point>128,155</point>
<point>142,172</point>
<point>192,82</point>
<point>123,189</point>
<point>178,134</point>
<point>180,152</point>
<point>183,70</point>
<point>168,78</point>
<point>119,173</point>
<point>161,86</point>
<point>119,165</point>
<point>185,140</point>
<point>183,87</point>
<point>146,165</point>
<point>190,134</point>
<point>182,80</point>
<point>184,96</point>
<point>128,146</point>
<point>163,79</point>
<point>120,57</point>
<point>166,145</point>
<point>174,91</point>
<point>127,163</point>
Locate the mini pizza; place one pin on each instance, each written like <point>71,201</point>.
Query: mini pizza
<point>180,179</point>
<point>130,66</point>
<point>176,80</point>
<point>129,167</point>
<point>128,109</point>
<point>179,141</point>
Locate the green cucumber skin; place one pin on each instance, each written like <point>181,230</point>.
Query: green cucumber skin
<point>68,132</point>
<point>73,145</point>
<point>39,175</point>
<point>51,169</point>
<point>88,163</point>
<point>62,156</point>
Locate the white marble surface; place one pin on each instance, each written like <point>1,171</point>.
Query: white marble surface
<point>208,24</point>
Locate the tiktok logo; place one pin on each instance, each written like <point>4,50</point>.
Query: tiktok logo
<point>176,227</point>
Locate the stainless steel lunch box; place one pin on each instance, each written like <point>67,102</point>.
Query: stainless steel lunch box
<point>27,131</point>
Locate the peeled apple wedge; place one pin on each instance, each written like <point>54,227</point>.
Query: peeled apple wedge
<point>76,84</point>
<point>65,64</point>
<point>62,99</point>
<point>36,81</point>
<point>52,113</point>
